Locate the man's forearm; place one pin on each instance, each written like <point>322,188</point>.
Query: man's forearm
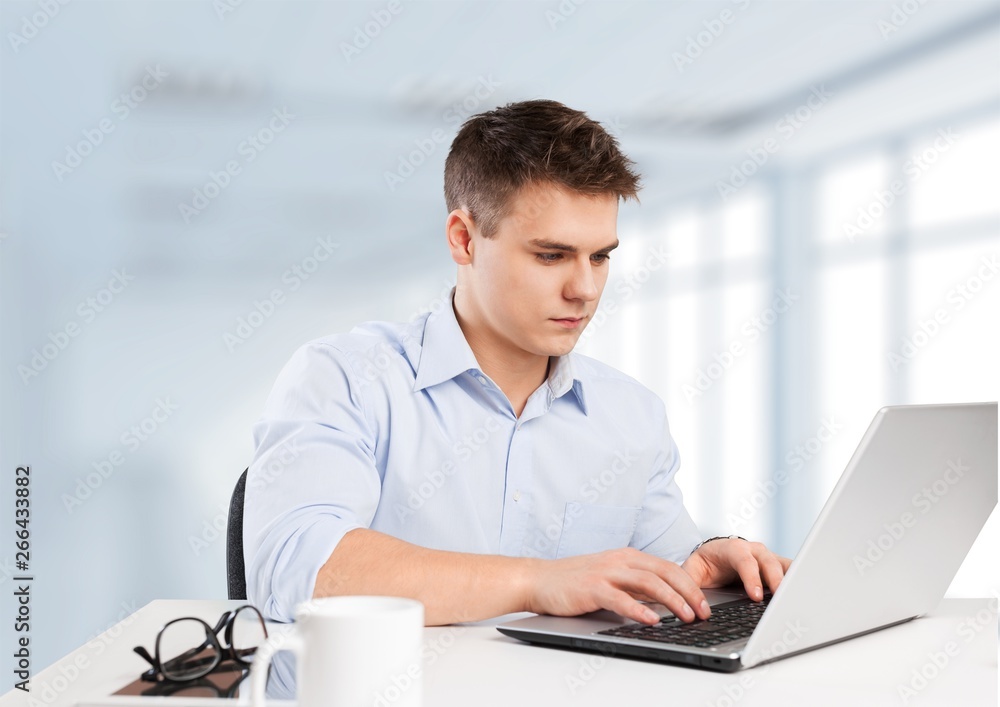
<point>452,586</point>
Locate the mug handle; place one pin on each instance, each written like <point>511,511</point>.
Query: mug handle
<point>291,641</point>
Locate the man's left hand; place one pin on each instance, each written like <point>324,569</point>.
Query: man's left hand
<point>722,562</point>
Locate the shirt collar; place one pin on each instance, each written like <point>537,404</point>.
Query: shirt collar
<point>445,353</point>
<point>563,378</point>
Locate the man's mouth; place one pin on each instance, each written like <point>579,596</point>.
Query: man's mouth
<point>570,322</point>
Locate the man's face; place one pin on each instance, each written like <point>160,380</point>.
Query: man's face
<point>536,284</point>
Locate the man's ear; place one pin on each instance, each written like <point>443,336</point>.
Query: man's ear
<point>458,230</point>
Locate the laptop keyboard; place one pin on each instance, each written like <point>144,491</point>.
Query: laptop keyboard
<point>729,622</point>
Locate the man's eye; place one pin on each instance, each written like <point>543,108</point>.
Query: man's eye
<point>548,257</point>
<point>600,259</point>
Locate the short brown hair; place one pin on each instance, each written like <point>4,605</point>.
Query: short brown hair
<point>497,153</point>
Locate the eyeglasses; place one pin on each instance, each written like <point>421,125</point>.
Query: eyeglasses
<point>244,631</point>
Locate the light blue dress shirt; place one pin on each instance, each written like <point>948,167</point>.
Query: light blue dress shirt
<point>395,427</point>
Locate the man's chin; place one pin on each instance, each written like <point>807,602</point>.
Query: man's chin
<point>561,347</point>
<point>554,343</point>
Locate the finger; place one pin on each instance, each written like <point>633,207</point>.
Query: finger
<point>679,582</point>
<point>652,585</point>
<point>622,604</point>
<point>785,563</point>
<point>684,585</point>
<point>749,572</point>
<point>639,596</point>
<point>770,569</point>
<point>674,577</point>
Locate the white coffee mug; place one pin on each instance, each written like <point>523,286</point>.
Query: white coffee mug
<point>350,651</point>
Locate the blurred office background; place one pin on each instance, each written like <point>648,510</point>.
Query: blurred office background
<point>817,238</point>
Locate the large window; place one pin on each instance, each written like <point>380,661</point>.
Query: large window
<point>783,318</point>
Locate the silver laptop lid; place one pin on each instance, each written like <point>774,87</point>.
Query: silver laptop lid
<point>895,529</point>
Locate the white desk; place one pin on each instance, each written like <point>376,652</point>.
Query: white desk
<point>475,665</point>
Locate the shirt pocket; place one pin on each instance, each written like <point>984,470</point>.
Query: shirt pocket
<point>589,528</point>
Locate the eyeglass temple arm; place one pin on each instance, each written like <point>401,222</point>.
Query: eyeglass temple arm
<point>149,675</point>
<point>145,655</point>
<point>188,658</point>
<point>178,660</point>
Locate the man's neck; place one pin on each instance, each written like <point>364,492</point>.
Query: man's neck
<point>517,373</point>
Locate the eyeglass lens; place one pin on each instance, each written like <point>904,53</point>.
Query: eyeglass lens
<point>247,632</point>
<point>187,650</point>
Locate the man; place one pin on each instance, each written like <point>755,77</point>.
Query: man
<point>468,459</point>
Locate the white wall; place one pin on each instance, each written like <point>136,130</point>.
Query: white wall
<point>357,117</point>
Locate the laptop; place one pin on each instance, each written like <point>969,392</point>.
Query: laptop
<point>886,545</point>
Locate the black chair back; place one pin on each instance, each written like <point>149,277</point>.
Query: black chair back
<point>235,569</point>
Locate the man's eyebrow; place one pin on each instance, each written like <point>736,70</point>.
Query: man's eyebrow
<point>554,245</point>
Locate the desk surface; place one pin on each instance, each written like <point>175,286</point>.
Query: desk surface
<point>477,665</point>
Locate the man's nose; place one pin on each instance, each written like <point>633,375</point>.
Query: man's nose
<point>583,284</point>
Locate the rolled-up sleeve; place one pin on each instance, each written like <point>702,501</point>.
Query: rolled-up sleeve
<point>311,480</point>
<point>665,528</point>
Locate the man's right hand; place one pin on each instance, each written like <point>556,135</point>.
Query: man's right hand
<point>616,580</point>
<point>458,587</point>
